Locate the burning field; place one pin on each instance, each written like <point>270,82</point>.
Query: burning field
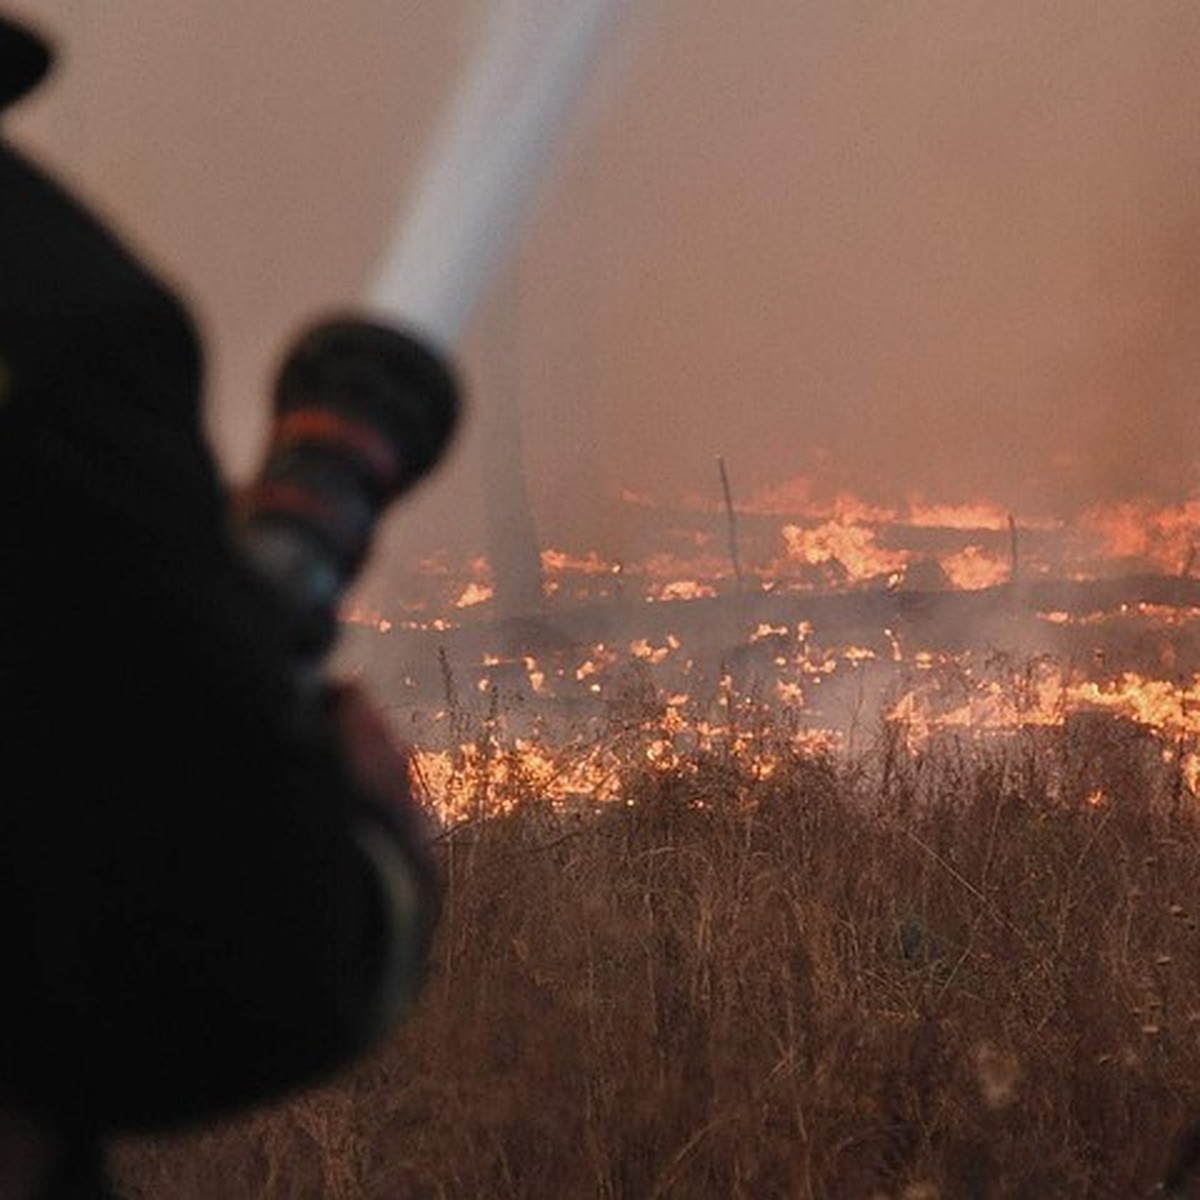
<point>851,878</point>
<point>837,621</point>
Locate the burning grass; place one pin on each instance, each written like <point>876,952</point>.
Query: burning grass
<point>965,969</point>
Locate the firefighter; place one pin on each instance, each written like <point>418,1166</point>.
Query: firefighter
<point>215,887</point>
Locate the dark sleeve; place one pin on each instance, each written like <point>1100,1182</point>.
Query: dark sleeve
<point>195,915</point>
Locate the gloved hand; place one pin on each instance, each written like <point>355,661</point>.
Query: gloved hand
<point>392,816</point>
<point>381,765</point>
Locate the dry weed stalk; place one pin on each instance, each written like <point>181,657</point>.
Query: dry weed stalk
<point>970,971</point>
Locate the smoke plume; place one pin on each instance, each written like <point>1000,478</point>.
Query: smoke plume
<point>935,250</point>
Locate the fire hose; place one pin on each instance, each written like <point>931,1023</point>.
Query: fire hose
<point>365,409</point>
<point>363,412</point>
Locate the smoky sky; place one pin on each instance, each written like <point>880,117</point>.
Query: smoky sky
<point>943,250</point>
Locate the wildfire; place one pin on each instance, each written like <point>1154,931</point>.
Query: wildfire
<point>677,718</point>
<point>681,589</point>
<point>679,731</point>
<point>641,686</point>
<point>475,593</point>
<point>973,568</point>
<point>791,539</point>
<point>1166,537</point>
<point>850,547</point>
<point>559,561</point>
<point>1047,694</point>
<point>957,516</point>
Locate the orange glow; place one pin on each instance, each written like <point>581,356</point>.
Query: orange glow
<point>794,540</point>
<point>1167,536</point>
<point>366,618</point>
<point>474,593</point>
<point>664,567</point>
<point>681,589</point>
<point>850,545</point>
<point>973,568</point>
<point>828,681</point>
<point>957,516</point>
<point>588,564</point>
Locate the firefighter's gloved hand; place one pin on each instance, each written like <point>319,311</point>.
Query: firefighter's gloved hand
<point>395,832</point>
<point>381,765</point>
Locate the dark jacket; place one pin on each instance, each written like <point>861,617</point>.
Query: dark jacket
<point>195,913</point>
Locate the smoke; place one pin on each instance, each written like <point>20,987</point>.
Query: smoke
<point>945,252</point>
<point>941,249</point>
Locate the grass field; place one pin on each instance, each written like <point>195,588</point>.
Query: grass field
<point>961,971</point>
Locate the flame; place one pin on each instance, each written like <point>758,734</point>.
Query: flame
<point>761,730</point>
<point>1046,695</point>
<point>537,677</point>
<point>586,564</point>
<point>973,568</point>
<point>957,516</point>
<point>814,684</point>
<point>479,779</point>
<point>643,649</point>
<point>681,589</point>
<point>1165,536</point>
<point>797,497</point>
<point>474,593</point>
<point>354,614</point>
<point>801,540</point>
<point>851,546</point>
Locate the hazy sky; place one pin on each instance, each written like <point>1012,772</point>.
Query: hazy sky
<point>943,248</point>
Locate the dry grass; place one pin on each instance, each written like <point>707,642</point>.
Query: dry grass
<point>969,972</point>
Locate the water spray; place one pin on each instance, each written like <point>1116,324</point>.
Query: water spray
<point>364,410</point>
<point>487,161</point>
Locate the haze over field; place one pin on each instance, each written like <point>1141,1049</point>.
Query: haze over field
<point>938,249</point>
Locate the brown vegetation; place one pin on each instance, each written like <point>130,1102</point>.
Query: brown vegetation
<point>967,972</point>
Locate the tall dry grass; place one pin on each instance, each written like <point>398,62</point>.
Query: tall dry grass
<point>970,971</point>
